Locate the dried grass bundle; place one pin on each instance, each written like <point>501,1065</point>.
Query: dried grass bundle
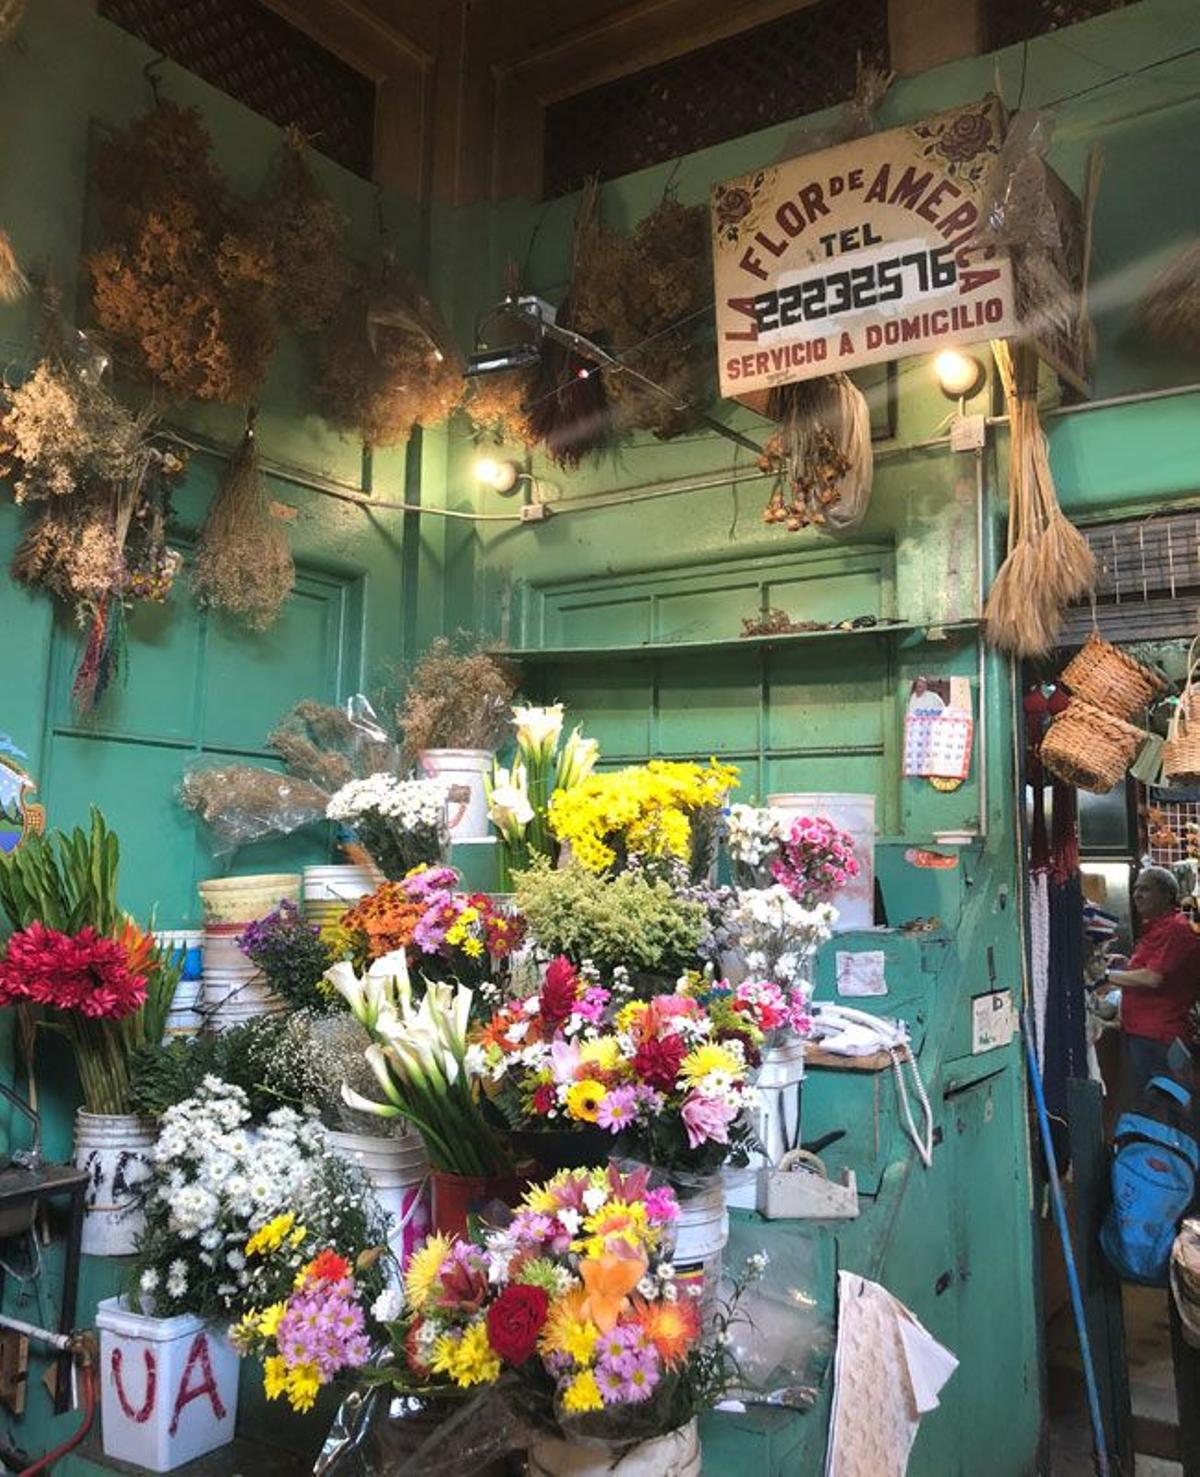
<point>386,364</point>
<point>1049,562</point>
<point>822,451</point>
<point>1170,307</point>
<point>321,743</point>
<point>305,234</point>
<point>243,562</point>
<point>13,282</point>
<point>871,84</point>
<point>244,804</point>
<point>642,296</point>
<point>184,284</point>
<point>458,697</point>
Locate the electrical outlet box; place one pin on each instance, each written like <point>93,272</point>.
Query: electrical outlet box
<point>535,513</point>
<point>993,1021</point>
<point>968,433</point>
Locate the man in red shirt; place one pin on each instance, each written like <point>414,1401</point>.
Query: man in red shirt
<point>1161,983</point>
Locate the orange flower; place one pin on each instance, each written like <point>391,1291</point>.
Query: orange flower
<point>327,1266</point>
<point>609,1279</point>
<point>671,1327</point>
<point>138,947</point>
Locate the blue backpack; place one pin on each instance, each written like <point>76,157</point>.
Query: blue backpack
<point>1153,1181</point>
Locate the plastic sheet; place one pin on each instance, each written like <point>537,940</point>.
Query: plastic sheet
<point>781,1335</point>
<point>1017,209</point>
<point>382,1432</point>
<point>241,803</point>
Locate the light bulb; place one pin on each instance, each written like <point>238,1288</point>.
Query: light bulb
<point>959,375</point>
<point>501,476</point>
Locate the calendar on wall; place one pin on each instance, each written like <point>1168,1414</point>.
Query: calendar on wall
<point>939,729</point>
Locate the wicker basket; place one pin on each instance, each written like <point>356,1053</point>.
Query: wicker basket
<point>1107,677</point>
<point>1087,747</point>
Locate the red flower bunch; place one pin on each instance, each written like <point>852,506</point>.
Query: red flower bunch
<point>515,1319</point>
<point>560,990</point>
<point>85,972</point>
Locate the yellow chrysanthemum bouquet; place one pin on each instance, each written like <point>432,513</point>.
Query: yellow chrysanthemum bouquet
<point>663,810</point>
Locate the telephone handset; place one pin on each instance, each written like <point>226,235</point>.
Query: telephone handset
<point>843,1031</point>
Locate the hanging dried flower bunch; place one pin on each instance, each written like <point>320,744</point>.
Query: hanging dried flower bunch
<point>821,455</point>
<point>305,234</point>
<point>387,363</point>
<point>1049,562</point>
<point>496,404</point>
<point>243,562</point>
<point>644,296</point>
<point>61,431</point>
<point>71,550</point>
<point>13,282</point>
<point>184,284</point>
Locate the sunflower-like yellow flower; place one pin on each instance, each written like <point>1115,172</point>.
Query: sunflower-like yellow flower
<point>423,1268</point>
<point>710,1056</point>
<point>629,1015</point>
<point>584,1099</point>
<point>568,1329</point>
<point>269,1319</point>
<point>582,1394</point>
<point>303,1386</point>
<point>274,1376</point>
<point>619,1220</point>
<point>271,1237</point>
<point>604,1052</point>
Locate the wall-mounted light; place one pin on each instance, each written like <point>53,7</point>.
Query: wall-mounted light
<point>500,476</point>
<point>959,375</point>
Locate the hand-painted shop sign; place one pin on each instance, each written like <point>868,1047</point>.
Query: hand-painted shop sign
<point>859,254</point>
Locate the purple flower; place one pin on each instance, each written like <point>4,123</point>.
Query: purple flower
<point>641,1373</point>
<point>617,1110</point>
<point>430,881</point>
<point>706,1119</point>
<point>611,1381</point>
<point>592,1006</point>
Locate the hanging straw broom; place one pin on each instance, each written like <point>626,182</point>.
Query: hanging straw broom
<point>243,562</point>
<point>1049,563</point>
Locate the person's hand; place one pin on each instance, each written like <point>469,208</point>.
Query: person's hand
<point>1116,961</point>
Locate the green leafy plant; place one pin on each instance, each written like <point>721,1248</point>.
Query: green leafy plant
<point>627,920</point>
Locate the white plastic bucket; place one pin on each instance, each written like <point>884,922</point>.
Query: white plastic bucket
<point>114,1149</point>
<point>337,884</point>
<point>467,767</point>
<point>701,1234</point>
<point>186,946</point>
<point>398,1172</point>
<point>854,814</point>
<point>168,1387</point>
<point>236,1012</point>
<point>676,1454</point>
<point>185,1016</point>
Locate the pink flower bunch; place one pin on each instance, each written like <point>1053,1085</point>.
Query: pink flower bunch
<point>323,1327</point>
<point>815,860</point>
<point>771,1007</point>
<point>85,973</point>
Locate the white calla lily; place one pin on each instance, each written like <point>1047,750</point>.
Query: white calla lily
<point>362,1104</point>
<point>538,729</point>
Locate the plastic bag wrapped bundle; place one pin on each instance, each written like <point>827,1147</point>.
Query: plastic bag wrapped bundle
<point>241,803</point>
<point>379,1431</point>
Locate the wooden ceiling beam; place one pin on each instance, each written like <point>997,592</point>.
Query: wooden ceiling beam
<point>359,35</point>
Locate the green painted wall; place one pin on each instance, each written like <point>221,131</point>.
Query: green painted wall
<point>675,568</point>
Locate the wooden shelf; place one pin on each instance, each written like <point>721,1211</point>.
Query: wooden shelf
<point>567,654</point>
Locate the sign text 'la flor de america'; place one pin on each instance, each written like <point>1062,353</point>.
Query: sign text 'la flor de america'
<point>859,254</point>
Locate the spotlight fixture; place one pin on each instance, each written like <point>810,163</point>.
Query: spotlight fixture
<point>502,360</point>
<point>500,476</point>
<point>959,375</point>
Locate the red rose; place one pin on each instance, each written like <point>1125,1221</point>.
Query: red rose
<point>515,1319</point>
<point>733,205</point>
<point>559,992</point>
<point>657,1061</point>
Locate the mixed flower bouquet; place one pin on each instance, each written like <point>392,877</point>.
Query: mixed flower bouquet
<point>576,1295</point>
<point>79,965</point>
<point>418,1055</point>
<point>292,955</point>
<point>314,1333</point>
<point>660,809</point>
<point>669,1078</point>
<point>401,823</point>
<point>224,1190</point>
<point>519,796</point>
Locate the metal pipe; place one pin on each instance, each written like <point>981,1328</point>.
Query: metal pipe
<point>981,559</point>
<point>65,1343</point>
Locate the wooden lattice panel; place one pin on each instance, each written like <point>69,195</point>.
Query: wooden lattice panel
<point>1010,21</point>
<point>766,75</point>
<point>258,58</point>
<point>1173,832</point>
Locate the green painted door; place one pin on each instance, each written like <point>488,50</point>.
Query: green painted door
<point>200,689</point>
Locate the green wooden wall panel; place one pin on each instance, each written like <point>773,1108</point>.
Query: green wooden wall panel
<point>616,620</point>
<point>613,701</point>
<point>708,705</point>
